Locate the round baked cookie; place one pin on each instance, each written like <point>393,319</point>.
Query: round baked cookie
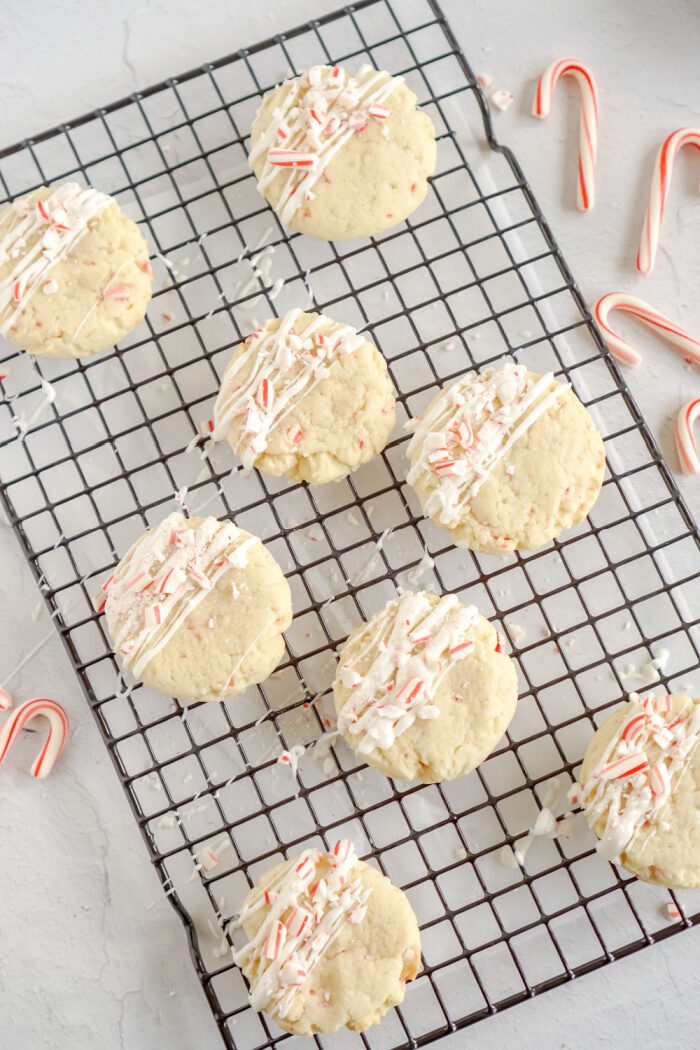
<point>422,691</point>
<point>341,156</point>
<point>307,397</point>
<point>331,943</point>
<point>74,272</point>
<point>505,460</point>
<point>640,785</point>
<point>196,609</point>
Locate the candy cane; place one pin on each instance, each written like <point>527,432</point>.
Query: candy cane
<point>660,186</point>
<point>685,442</point>
<point>623,768</point>
<point>588,133</point>
<point>668,330</point>
<point>58,732</point>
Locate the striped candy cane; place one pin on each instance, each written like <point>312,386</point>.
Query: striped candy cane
<point>588,133</point>
<point>685,441</point>
<point>58,732</point>
<point>660,186</point>
<point>673,334</point>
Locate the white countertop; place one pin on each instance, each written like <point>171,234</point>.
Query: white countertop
<point>92,954</point>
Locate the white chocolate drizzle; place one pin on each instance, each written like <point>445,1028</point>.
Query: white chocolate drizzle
<point>469,428</point>
<point>308,904</point>
<point>639,771</point>
<point>411,645</point>
<point>163,578</point>
<point>42,234</point>
<point>319,112</point>
<point>279,369</point>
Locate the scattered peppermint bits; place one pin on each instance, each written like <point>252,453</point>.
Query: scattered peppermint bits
<point>275,370</point>
<point>502,99</point>
<point>39,238</point>
<point>119,293</point>
<point>164,576</point>
<point>316,115</point>
<point>394,667</point>
<point>307,905</point>
<point>635,777</point>
<point>469,428</point>
<point>291,758</point>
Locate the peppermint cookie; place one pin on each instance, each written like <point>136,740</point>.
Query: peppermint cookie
<point>340,156</point>
<point>422,691</point>
<point>306,397</point>
<point>332,943</point>
<point>196,609</point>
<point>641,781</point>
<point>505,460</point>
<point>74,272</point>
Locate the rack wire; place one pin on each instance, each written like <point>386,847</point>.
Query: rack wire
<point>473,276</point>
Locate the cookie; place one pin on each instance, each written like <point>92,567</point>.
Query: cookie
<point>422,691</point>
<point>640,785</point>
<point>196,609</point>
<point>505,460</point>
<point>331,943</point>
<point>74,272</point>
<point>307,397</point>
<point>340,156</point>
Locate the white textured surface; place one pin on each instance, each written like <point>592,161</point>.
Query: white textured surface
<point>87,961</point>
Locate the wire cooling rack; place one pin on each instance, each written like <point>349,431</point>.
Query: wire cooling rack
<point>474,275</point>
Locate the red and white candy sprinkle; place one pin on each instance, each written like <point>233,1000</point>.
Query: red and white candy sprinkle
<point>120,293</point>
<point>624,768</point>
<point>274,942</point>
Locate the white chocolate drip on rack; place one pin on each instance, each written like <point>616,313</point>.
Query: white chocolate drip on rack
<point>320,111</point>
<point>163,578</point>
<point>639,770</point>
<point>281,367</point>
<point>308,905</point>
<point>40,236</point>
<point>469,428</point>
<point>411,646</point>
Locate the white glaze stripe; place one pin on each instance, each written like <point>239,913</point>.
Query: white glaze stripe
<point>411,646</point>
<point>42,235</point>
<point>320,111</point>
<point>308,905</point>
<point>470,427</point>
<point>284,366</point>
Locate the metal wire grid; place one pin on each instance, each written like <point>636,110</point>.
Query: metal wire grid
<point>475,274</point>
